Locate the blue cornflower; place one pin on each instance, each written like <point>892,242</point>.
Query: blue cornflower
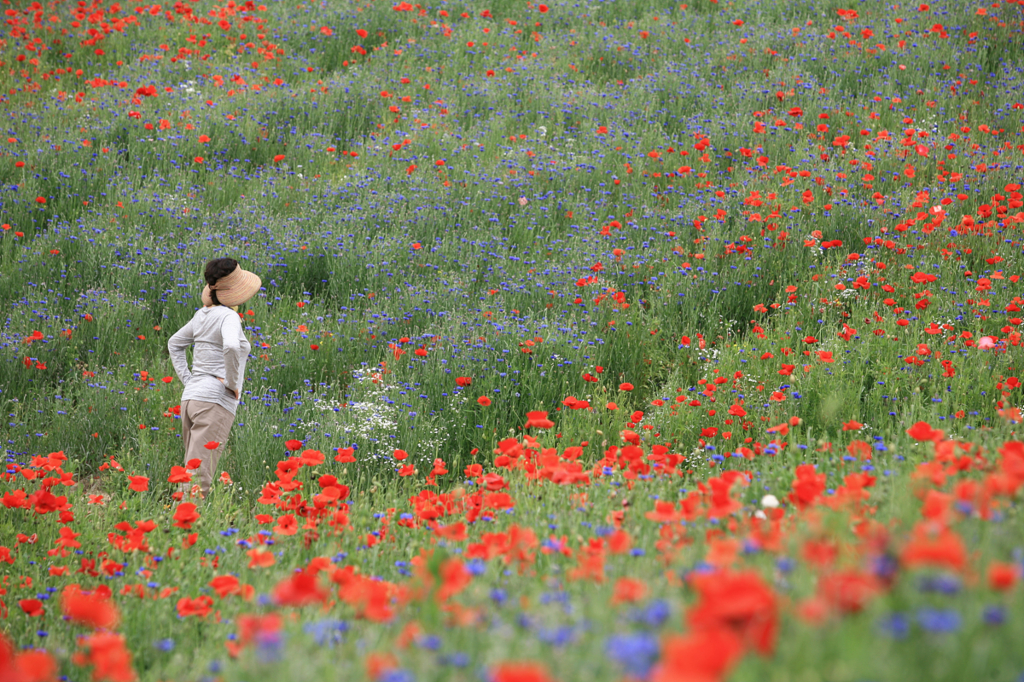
<point>559,636</point>
<point>326,632</point>
<point>943,584</point>
<point>938,620</point>
<point>655,614</point>
<point>396,675</point>
<point>430,642</point>
<point>457,659</point>
<point>636,652</point>
<point>269,646</point>
<point>896,625</point>
<point>994,615</point>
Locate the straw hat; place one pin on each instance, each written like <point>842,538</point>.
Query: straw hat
<point>233,289</point>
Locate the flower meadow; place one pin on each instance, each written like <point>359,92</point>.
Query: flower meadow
<point>612,340</point>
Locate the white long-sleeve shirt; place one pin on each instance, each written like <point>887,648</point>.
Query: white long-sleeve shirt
<point>221,351</point>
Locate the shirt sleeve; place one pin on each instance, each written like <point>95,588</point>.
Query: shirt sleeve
<point>236,352</point>
<point>176,346</point>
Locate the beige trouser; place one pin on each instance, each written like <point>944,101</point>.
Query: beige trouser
<point>202,422</point>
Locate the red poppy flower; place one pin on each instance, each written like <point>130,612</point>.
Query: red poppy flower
<point>521,672</point>
<point>286,525</point>
<point>185,515</point>
<point>288,466</point>
<point>922,431</point>
<point>808,486</point>
<point>33,665</point>
<point>484,400</point>
<point>311,458</point>
<point>629,590</point>
<point>538,420</point>
<point>626,386</point>
<point>664,512</point>
<point>179,475</point>
<point>701,655</point>
<point>32,607</point>
<point>67,538</point>
<point>630,436</point>
<point>259,558</point>
<point>299,589</point>
<point>139,484</point>
<point>199,607</point>
<point>225,585</point>
<point>944,549</point>
<point>849,591</point>
<point>1002,576</point>
<point>212,445</point>
<point>293,445</point>
<point>108,655</point>
<point>91,609</point>
<point>737,601</point>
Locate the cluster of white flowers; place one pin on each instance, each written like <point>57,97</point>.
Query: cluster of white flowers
<point>191,206</point>
<point>708,354</point>
<point>816,249</point>
<point>372,417</point>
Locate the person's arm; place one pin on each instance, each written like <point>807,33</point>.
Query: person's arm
<point>236,353</point>
<point>176,346</point>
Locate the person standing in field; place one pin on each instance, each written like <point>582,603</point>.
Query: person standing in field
<point>214,384</point>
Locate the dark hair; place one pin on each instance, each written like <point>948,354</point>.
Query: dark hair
<point>215,269</point>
